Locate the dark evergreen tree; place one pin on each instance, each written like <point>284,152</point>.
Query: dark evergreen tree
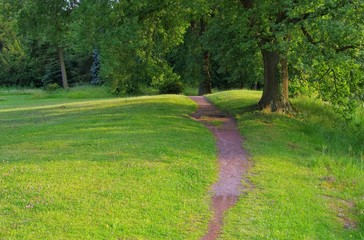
<point>95,68</point>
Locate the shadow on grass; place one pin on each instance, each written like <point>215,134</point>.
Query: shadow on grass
<point>123,129</point>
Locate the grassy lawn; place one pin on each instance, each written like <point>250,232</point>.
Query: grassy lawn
<point>308,173</point>
<point>132,168</point>
<point>83,165</point>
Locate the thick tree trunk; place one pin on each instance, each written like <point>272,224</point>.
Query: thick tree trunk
<point>205,86</point>
<point>284,77</point>
<point>275,91</point>
<point>63,68</point>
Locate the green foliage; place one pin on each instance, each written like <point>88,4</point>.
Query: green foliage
<point>315,38</point>
<point>333,73</point>
<point>95,68</point>
<point>143,43</point>
<point>187,58</point>
<point>51,87</point>
<point>45,20</point>
<point>171,87</point>
<point>324,47</point>
<point>12,55</point>
<point>133,39</point>
<point>236,54</point>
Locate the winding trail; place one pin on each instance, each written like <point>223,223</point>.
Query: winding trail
<point>233,161</point>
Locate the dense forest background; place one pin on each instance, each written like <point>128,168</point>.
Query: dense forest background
<point>164,44</point>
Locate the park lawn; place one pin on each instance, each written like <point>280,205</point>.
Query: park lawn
<point>307,176</point>
<point>117,168</point>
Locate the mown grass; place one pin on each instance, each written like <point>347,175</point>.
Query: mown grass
<point>79,92</point>
<point>307,174</point>
<point>135,168</point>
<point>25,97</point>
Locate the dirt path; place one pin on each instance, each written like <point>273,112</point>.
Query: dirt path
<point>233,161</point>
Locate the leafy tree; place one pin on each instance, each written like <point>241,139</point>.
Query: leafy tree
<point>227,43</point>
<point>205,86</point>
<point>192,60</point>
<point>49,21</point>
<point>12,54</point>
<point>216,38</point>
<point>95,69</point>
<point>319,35</point>
<point>135,37</point>
<point>234,52</point>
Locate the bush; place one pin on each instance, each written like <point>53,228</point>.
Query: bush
<point>171,87</point>
<point>51,87</point>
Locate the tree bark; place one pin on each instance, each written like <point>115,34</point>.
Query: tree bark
<point>205,86</point>
<point>275,92</point>
<point>63,68</point>
<point>284,76</point>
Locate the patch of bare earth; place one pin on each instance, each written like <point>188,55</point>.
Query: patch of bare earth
<point>344,209</point>
<point>233,161</point>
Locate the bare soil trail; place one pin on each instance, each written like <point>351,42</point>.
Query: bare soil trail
<point>233,161</point>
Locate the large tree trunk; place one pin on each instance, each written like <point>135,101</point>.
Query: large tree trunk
<point>205,86</point>
<point>284,77</point>
<point>63,68</point>
<point>275,91</point>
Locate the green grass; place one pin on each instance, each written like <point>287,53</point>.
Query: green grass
<point>193,91</point>
<point>132,168</point>
<point>307,174</point>
<point>80,164</point>
<point>79,92</point>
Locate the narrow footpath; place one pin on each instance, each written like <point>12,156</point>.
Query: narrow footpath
<point>233,162</point>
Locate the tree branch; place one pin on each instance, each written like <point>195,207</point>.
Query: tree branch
<point>335,82</point>
<point>344,48</point>
<point>144,13</point>
<point>308,35</point>
<point>323,75</point>
<point>318,13</point>
<point>313,42</point>
<point>248,4</point>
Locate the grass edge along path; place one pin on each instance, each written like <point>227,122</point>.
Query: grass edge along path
<point>136,168</point>
<point>232,159</point>
<point>307,173</point>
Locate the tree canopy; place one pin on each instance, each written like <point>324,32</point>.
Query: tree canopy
<point>316,47</point>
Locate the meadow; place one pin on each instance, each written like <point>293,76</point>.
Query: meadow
<point>82,164</point>
<point>107,168</point>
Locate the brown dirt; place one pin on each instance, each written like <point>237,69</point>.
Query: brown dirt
<point>344,210</point>
<point>233,161</point>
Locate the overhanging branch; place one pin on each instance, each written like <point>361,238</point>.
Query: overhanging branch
<point>320,12</point>
<point>344,48</point>
<point>248,4</point>
<point>308,35</point>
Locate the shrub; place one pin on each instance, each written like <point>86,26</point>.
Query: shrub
<point>51,87</point>
<point>171,87</point>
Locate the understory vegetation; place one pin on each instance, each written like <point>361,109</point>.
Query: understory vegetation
<point>307,179</point>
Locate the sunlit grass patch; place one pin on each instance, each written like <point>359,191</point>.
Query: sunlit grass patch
<point>307,173</point>
<point>79,92</point>
<point>132,168</point>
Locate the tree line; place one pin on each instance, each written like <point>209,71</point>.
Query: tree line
<point>285,47</point>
